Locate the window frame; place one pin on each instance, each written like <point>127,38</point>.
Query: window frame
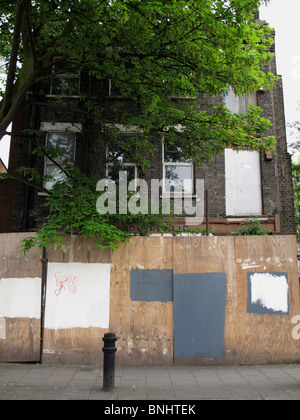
<point>164,178</point>
<point>241,102</point>
<point>123,131</point>
<point>125,164</point>
<point>74,74</point>
<point>48,162</point>
<point>111,92</point>
<point>58,128</point>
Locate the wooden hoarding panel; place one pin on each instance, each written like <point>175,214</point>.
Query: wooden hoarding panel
<point>20,300</point>
<point>213,255</point>
<point>144,327</point>
<point>77,302</point>
<point>267,304</point>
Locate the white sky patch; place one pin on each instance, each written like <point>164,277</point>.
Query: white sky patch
<point>284,18</point>
<point>271,291</point>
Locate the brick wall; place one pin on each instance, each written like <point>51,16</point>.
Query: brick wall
<point>276,173</point>
<point>7,187</point>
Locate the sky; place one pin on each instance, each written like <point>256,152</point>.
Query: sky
<point>283,16</point>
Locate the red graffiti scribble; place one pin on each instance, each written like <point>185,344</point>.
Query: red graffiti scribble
<point>65,283</point>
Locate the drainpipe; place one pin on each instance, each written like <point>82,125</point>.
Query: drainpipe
<point>88,134</point>
<point>28,189</point>
<point>43,298</point>
<point>207,212</point>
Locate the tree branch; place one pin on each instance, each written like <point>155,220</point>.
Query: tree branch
<point>25,181</point>
<point>13,56</point>
<point>19,93</point>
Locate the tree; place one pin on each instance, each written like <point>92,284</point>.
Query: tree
<point>158,53</point>
<point>164,56</point>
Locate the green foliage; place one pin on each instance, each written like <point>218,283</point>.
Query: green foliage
<point>72,209</point>
<point>165,56</point>
<point>197,230</point>
<point>252,227</point>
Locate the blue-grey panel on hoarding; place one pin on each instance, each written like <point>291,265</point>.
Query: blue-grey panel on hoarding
<point>151,285</point>
<point>199,315</point>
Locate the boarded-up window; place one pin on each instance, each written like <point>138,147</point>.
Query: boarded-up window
<point>239,104</point>
<point>243,183</point>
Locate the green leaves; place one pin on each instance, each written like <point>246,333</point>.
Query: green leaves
<point>72,209</point>
<point>252,227</point>
<point>165,56</point>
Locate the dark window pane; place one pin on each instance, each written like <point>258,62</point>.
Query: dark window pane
<point>113,172</point>
<point>65,86</point>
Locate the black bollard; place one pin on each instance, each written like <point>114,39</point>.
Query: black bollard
<point>109,350</point>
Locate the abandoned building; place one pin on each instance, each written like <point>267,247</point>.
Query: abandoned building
<point>221,300</point>
<point>239,184</point>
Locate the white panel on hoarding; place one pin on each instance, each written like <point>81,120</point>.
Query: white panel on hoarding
<point>20,297</point>
<point>77,295</point>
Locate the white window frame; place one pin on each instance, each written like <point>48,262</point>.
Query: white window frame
<point>125,164</point>
<point>110,90</point>
<point>58,128</point>
<point>75,74</point>
<point>124,131</point>
<point>165,163</point>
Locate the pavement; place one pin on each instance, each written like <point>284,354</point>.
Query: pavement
<point>166,383</point>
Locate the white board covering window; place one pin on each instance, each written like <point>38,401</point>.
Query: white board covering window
<point>239,104</point>
<point>243,183</point>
